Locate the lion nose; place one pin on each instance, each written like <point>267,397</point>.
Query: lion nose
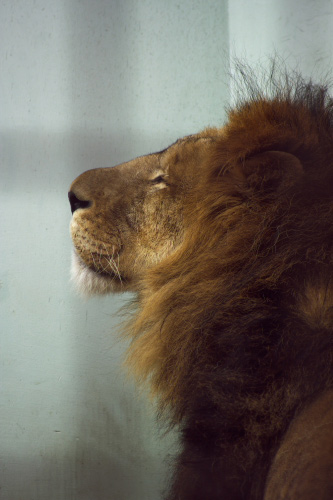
<point>76,203</point>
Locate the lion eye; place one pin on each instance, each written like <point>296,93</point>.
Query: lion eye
<point>158,179</point>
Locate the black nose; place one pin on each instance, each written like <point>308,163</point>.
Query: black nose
<point>76,203</point>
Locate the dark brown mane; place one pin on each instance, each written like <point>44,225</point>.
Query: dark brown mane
<point>234,330</point>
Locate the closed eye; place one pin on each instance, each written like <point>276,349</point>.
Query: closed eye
<point>158,179</point>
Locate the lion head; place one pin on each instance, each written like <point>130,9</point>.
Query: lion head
<point>128,218</point>
<point>226,237</point>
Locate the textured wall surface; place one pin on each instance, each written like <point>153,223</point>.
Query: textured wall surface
<point>299,32</point>
<point>84,84</point>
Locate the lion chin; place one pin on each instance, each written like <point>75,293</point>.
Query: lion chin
<point>87,282</point>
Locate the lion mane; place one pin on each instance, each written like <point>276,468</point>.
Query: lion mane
<point>234,327</point>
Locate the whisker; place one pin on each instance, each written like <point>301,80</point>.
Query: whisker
<point>111,262</point>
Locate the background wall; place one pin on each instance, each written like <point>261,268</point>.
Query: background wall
<point>87,84</point>
<point>299,31</point>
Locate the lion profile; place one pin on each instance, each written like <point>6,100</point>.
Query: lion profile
<point>226,237</point>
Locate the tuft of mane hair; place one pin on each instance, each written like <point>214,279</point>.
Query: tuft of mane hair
<point>234,330</point>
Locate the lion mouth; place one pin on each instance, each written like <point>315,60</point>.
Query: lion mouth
<point>90,281</point>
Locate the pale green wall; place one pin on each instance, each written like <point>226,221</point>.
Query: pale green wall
<point>84,84</point>
<point>299,31</point>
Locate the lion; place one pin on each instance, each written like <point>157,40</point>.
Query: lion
<point>226,239</point>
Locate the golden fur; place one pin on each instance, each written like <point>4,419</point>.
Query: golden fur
<point>226,237</point>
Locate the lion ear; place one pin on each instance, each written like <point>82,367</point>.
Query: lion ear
<point>271,171</point>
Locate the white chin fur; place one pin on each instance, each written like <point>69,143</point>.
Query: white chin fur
<point>87,282</point>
